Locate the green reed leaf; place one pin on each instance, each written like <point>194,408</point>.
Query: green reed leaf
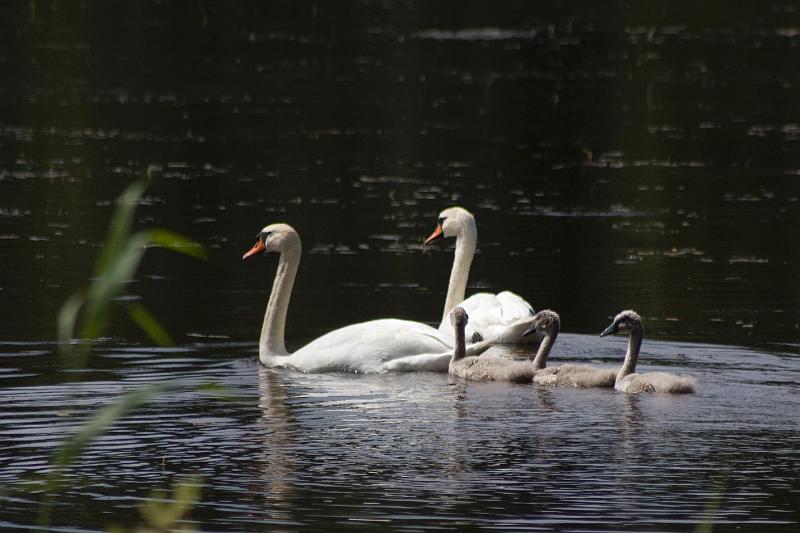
<point>175,242</point>
<point>148,323</point>
<point>97,424</point>
<point>121,223</point>
<point>163,512</point>
<point>67,320</point>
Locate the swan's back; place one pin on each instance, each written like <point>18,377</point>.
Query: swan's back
<point>491,315</point>
<point>366,346</point>
<point>492,368</point>
<point>656,382</point>
<point>573,375</point>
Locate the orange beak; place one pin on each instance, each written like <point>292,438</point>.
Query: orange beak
<point>257,248</point>
<point>435,236</point>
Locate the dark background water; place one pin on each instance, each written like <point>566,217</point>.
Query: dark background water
<point>615,155</point>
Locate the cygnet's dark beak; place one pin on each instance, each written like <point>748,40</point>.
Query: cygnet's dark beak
<point>531,329</point>
<point>609,330</point>
<point>437,234</point>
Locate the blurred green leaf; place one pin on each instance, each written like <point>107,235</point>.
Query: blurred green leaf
<point>118,272</point>
<point>175,242</point>
<point>90,311</point>
<point>148,323</point>
<point>67,320</point>
<point>98,424</point>
<point>163,513</point>
<point>121,223</point>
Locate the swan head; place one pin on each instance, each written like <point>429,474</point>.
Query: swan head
<point>625,322</point>
<point>545,322</point>
<point>453,221</point>
<point>459,318</point>
<point>274,238</point>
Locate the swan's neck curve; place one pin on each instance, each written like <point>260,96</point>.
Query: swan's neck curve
<point>272,330</point>
<point>634,345</point>
<point>466,241</point>
<point>540,361</point>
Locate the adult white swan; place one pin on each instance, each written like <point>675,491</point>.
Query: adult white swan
<point>503,316</point>
<point>362,347</point>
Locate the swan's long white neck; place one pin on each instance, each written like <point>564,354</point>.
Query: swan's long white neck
<point>634,345</point>
<point>272,330</point>
<point>540,361</point>
<point>466,242</point>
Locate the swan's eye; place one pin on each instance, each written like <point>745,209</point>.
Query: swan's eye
<point>441,220</point>
<point>264,235</point>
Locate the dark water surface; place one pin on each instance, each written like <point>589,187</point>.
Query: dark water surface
<point>614,157</point>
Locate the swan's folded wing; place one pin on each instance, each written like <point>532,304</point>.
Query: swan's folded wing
<point>366,346</point>
<point>416,363</point>
<point>495,316</point>
<point>515,308</point>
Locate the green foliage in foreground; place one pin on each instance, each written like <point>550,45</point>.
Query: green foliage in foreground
<point>84,318</point>
<point>163,512</point>
<point>87,312</point>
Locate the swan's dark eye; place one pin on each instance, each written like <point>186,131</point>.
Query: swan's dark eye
<point>263,235</point>
<point>441,220</point>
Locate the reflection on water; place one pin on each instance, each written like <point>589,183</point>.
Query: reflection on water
<point>421,450</point>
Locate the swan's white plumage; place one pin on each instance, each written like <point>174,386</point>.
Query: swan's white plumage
<point>367,346</point>
<point>491,315</point>
<point>363,347</point>
<point>434,362</point>
<point>495,316</point>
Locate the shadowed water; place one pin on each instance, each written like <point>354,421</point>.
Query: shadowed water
<point>614,156</point>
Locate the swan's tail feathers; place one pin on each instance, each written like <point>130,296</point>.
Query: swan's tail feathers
<point>480,347</point>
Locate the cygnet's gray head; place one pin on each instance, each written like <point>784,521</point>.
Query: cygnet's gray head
<point>459,318</point>
<point>625,322</point>
<point>545,322</point>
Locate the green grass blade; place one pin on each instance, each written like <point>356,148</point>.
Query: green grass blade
<point>98,424</point>
<point>117,273</point>
<point>148,323</point>
<point>121,223</point>
<point>163,513</point>
<point>177,243</point>
<point>67,321</point>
